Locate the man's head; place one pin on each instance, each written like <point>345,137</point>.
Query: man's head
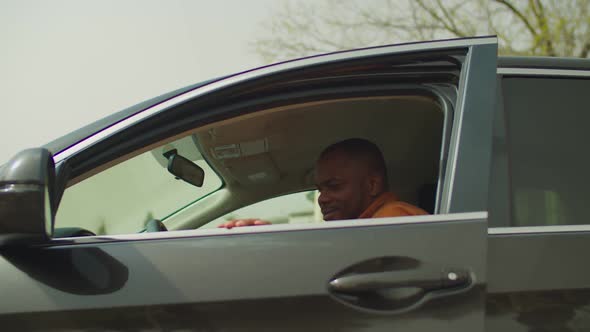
<point>349,175</point>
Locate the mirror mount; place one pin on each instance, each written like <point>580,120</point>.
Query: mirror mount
<point>169,154</point>
<point>27,200</point>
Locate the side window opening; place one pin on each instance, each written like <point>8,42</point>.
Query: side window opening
<point>274,149</point>
<point>258,156</point>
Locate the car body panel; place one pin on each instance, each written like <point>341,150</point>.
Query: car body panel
<point>538,280</point>
<point>259,269</point>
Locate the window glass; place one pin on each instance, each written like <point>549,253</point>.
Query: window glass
<point>294,208</point>
<point>547,123</point>
<point>499,189</point>
<point>124,197</point>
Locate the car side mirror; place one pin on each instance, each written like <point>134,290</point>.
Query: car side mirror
<point>26,197</point>
<point>185,169</point>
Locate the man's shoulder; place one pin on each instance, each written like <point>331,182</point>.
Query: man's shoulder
<point>395,208</point>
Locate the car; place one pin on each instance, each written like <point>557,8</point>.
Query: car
<point>113,226</point>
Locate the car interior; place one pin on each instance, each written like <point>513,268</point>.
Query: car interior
<point>274,151</point>
<point>257,156</point>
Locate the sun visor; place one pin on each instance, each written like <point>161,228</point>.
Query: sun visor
<point>242,149</point>
<point>252,170</point>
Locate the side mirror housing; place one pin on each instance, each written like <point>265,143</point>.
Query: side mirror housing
<point>26,197</point>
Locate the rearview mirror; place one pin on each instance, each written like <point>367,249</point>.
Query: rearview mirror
<point>26,197</point>
<point>185,169</point>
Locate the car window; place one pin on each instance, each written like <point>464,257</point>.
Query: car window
<point>547,123</point>
<point>294,208</point>
<point>259,156</point>
<point>123,198</point>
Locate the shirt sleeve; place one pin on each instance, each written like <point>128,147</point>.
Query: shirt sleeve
<point>398,210</point>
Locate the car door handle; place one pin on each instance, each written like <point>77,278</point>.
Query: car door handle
<point>428,281</point>
<point>397,284</point>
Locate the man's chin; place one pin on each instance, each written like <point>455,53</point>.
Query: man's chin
<point>330,216</point>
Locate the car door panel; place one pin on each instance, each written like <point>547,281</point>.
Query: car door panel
<point>276,277</point>
<point>270,278</point>
<point>538,279</point>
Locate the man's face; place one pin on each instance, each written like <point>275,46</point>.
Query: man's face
<point>344,186</point>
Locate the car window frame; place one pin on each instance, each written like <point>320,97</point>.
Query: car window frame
<point>483,44</point>
<point>505,200</point>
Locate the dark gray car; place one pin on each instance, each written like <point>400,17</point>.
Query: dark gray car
<point>112,227</point>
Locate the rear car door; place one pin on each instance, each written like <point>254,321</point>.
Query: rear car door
<point>425,273</point>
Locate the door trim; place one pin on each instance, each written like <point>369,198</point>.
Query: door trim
<point>539,229</point>
<point>543,72</point>
<point>342,224</point>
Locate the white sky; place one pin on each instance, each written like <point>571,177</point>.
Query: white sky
<point>66,63</point>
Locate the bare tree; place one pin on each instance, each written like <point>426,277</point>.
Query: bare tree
<point>523,27</point>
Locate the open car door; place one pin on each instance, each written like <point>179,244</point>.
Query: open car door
<point>423,273</point>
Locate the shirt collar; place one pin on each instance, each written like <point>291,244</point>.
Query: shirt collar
<point>379,201</point>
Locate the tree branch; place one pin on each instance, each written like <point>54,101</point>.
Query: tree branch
<point>434,15</point>
<point>547,27</point>
<point>544,37</point>
<point>519,14</point>
<point>450,19</point>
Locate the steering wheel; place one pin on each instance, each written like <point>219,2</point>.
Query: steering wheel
<point>155,225</point>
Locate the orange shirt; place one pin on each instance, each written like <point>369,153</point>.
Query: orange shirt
<point>387,205</point>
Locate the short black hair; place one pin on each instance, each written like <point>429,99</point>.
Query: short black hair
<point>360,148</point>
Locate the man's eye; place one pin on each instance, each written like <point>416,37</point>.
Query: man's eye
<point>333,186</point>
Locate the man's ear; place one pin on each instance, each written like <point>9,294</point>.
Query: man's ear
<point>375,185</point>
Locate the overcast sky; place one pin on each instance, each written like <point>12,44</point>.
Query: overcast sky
<point>66,63</point>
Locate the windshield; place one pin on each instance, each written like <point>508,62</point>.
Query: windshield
<point>123,198</point>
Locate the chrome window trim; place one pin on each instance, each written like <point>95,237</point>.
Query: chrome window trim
<point>544,72</point>
<point>538,229</point>
<point>280,228</point>
<point>315,60</point>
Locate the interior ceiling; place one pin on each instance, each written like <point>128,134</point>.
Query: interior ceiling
<point>280,146</point>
